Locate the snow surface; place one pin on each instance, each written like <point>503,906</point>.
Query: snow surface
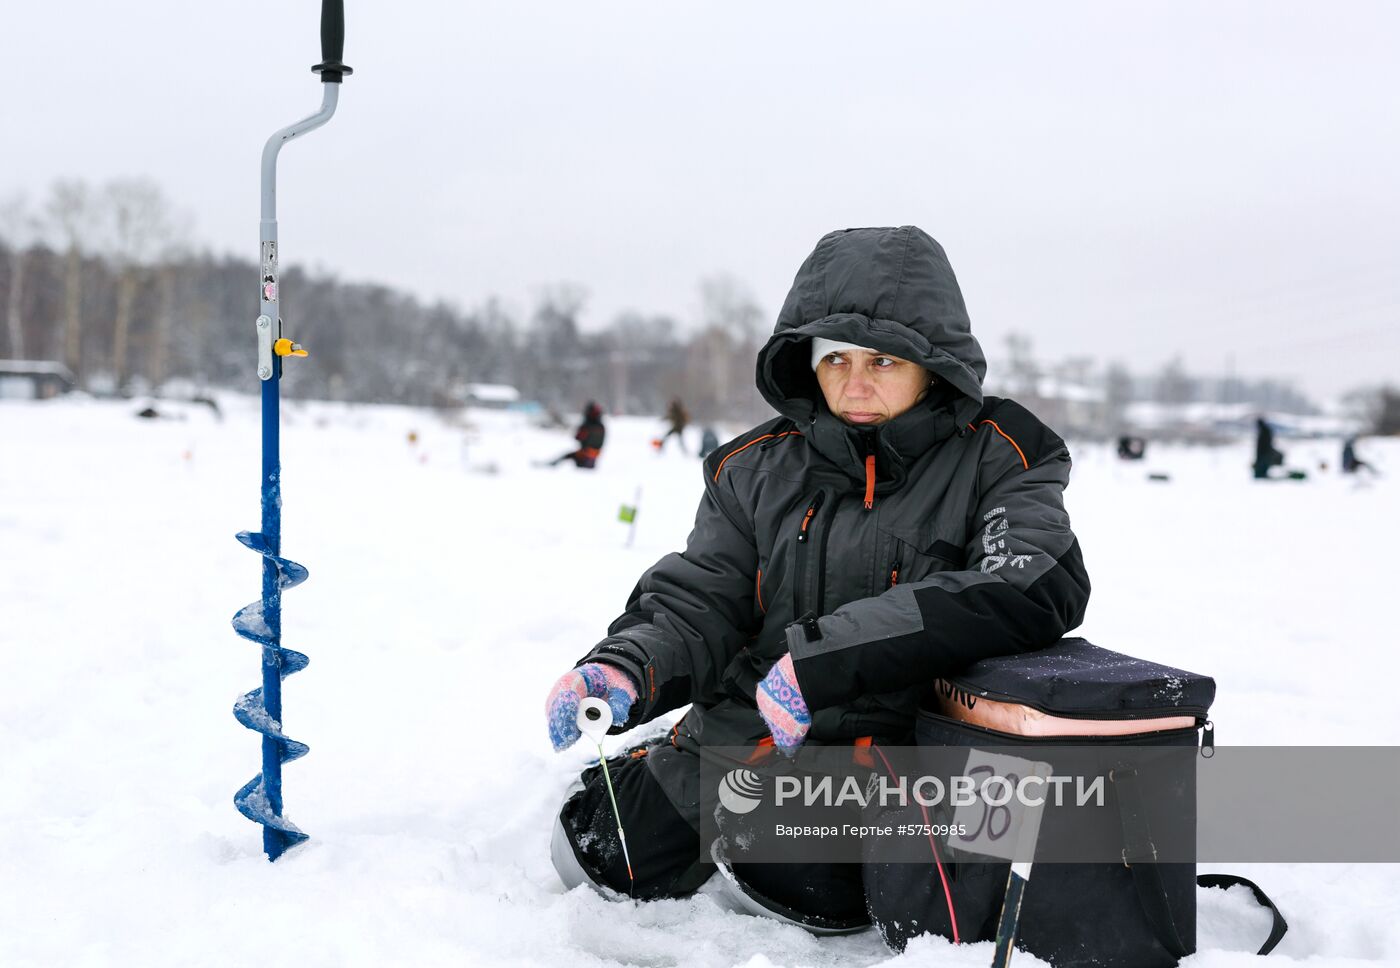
<point>451,582</point>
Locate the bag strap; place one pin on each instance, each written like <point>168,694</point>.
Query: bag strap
<point>1139,856</point>
<point>1152,893</point>
<point>1280,926</point>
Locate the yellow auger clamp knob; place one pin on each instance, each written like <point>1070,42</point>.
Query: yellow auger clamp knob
<point>285,347</point>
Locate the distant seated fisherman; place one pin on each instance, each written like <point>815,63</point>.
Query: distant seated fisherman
<point>892,526</point>
<point>1351,462</point>
<point>590,435</point>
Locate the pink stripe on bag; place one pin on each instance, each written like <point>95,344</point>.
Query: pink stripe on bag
<point>1018,720</point>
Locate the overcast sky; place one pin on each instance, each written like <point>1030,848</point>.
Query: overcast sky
<point>1130,181</point>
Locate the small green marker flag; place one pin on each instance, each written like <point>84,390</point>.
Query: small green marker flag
<point>627,514</point>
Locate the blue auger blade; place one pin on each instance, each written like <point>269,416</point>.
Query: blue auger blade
<point>250,711</point>
<point>248,622</point>
<point>279,832</point>
<point>289,573</point>
<point>260,800</point>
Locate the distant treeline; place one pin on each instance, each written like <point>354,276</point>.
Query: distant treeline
<point>104,281</point>
<point>107,281</point>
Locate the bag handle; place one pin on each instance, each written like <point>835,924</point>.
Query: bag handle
<point>1140,855</point>
<point>1280,926</point>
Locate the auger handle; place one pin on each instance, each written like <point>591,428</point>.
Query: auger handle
<point>332,42</point>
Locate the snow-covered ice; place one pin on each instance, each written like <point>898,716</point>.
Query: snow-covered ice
<point>451,582</point>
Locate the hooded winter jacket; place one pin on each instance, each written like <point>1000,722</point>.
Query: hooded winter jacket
<point>881,557</point>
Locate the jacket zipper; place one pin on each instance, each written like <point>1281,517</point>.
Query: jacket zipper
<point>894,571</point>
<point>802,568</point>
<point>870,444</point>
<point>821,559</point>
<point>807,518</point>
<point>809,521</point>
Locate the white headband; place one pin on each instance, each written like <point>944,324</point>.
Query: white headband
<point>822,348</point>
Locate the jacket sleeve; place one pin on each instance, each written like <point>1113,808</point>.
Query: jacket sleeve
<point>688,616</point>
<point>1023,587</point>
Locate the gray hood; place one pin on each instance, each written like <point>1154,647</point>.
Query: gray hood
<point>891,289</point>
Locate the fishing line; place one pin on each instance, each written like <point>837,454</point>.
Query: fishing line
<point>594,721</point>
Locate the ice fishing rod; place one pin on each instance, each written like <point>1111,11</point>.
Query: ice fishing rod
<point>260,799</point>
<point>1019,877</point>
<point>594,720</point>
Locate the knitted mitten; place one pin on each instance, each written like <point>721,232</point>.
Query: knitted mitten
<point>782,707</point>
<point>594,679</point>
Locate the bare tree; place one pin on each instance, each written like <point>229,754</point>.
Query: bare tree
<point>724,349</point>
<point>163,323</point>
<point>560,368</point>
<point>1387,419</point>
<point>139,225</point>
<point>727,303</point>
<point>70,214</point>
<point>1117,393</point>
<point>1075,370</point>
<point>1376,407</point>
<point>1173,385</point>
<point>20,229</point>
<point>172,253</point>
<point>1023,373</point>
<point>645,362</point>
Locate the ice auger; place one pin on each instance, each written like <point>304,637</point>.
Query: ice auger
<point>260,799</point>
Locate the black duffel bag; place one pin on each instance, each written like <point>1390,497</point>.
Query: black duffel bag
<point>1136,913</point>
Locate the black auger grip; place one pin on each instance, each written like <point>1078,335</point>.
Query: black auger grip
<point>332,42</point>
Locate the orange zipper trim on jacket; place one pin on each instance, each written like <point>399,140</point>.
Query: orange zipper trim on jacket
<point>1019,453</point>
<point>869,481</point>
<point>758,440</point>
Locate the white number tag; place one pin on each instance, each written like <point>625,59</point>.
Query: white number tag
<point>999,807</point>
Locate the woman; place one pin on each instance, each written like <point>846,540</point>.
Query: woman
<point>892,526</point>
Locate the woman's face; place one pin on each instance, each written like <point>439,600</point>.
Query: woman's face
<point>866,389</point>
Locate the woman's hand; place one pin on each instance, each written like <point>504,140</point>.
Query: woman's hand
<point>782,707</point>
<point>596,680</point>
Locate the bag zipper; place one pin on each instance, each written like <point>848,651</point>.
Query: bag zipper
<point>1060,740</point>
<point>976,692</point>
